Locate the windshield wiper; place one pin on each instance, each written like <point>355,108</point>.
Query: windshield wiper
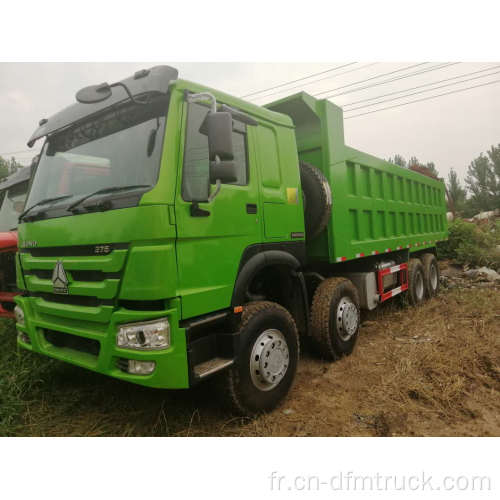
<point>106,191</point>
<point>43,202</point>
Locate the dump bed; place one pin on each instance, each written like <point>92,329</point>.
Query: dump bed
<point>378,207</point>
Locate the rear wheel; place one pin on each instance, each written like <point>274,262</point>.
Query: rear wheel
<point>266,366</point>
<point>416,284</point>
<point>431,274</point>
<point>335,318</point>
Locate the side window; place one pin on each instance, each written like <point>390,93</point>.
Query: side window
<point>196,163</point>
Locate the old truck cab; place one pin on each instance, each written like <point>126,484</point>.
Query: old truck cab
<point>13,191</point>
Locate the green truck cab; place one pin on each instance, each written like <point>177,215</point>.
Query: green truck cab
<point>174,233</point>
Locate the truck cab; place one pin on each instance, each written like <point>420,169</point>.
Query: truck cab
<point>13,191</point>
<point>135,242</point>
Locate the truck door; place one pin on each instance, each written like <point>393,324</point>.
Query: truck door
<point>209,248</point>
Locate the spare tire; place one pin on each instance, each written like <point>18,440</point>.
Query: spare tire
<point>317,196</point>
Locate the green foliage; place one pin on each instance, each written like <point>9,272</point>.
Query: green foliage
<point>456,193</point>
<point>398,160</point>
<point>4,168</point>
<point>21,374</point>
<point>483,182</point>
<point>8,167</point>
<point>472,244</point>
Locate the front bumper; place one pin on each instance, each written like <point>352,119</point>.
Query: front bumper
<point>105,357</point>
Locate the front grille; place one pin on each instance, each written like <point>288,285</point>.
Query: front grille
<point>143,305</point>
<point>81,344</point>
<point>73,300</point>
<point>83,266</point>
<point>43,274</point>
<point>91,276</point>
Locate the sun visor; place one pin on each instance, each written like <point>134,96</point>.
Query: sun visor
<point>156,79</point>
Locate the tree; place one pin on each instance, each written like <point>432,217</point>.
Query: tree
<point>456,193</point>
<point>483,181</point>
<point>432,168</point>
<point>494,157</point>
<point>398,160</point>
<point>4,168</point>
<point>14,165</point>
<point>414,163</point>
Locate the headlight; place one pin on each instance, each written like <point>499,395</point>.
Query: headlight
<point>19,314</point>
<point>152,335</point>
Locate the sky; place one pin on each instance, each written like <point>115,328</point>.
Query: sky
<point>450,130</point>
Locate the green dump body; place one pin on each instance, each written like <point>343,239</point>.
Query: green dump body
<point>377,207</point>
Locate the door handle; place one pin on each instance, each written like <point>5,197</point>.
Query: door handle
<point>251,208</point>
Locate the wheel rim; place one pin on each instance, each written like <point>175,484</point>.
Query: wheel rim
<point>434,277</point>
<point>347,318</point>
<point>269,360</point>
<point>419,286</point>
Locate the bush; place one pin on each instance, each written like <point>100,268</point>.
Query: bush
<point>472,244</point>
<point>21,375</point>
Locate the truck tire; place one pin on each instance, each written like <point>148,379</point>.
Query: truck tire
<point>431,274</point>
<point>265,369</point>
<point>335,318</point>
<point>317,196</point>
<point>416,283</point>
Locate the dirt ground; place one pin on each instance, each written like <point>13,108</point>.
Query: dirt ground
<point>426,371</point>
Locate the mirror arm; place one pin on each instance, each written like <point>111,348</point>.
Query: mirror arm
<point>218,185</point>
<point>203,96</point>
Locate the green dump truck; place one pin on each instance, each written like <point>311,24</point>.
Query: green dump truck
<point>174,233</point>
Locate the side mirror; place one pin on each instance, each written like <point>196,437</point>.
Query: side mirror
<point>220,136</point>
<point>223,171</point>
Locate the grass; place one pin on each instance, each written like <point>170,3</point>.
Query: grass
<point>432,370</point>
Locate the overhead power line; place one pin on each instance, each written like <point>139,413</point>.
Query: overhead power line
<point>364,106</point>
<point>372,78</point>
<point>336,75</point>
<point>421,86</point>
<point>423,99</point>
<point>298,79</point>
<point>390,80</point>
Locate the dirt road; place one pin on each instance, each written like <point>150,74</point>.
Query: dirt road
<point>427,371</point>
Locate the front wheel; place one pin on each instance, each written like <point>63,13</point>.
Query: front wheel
<point>267,363</point>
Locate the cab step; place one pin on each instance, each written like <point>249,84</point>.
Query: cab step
<point>211,366</point>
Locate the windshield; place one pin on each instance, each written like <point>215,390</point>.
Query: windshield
<point>12,205</point>
<point>110,151</point>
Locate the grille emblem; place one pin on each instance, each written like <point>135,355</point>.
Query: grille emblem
<point>59,279</point>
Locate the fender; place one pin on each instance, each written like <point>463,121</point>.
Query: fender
<point>255,264</point>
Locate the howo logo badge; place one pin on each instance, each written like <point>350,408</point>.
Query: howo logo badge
<point>59,279</point>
